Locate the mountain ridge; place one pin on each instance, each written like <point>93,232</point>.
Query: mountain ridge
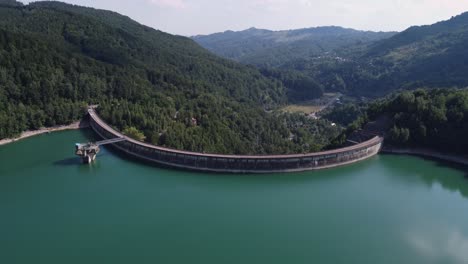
<point>254,46</point>
<point>318,28</point>
<point>428,55</point>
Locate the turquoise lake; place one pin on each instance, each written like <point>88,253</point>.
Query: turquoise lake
<point>388,209</point>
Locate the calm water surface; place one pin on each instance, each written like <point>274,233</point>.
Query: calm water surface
<point>389,209</point>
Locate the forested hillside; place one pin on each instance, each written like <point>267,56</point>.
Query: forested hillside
<point>57,58</point>
<point>359,63</point>
<point>278,53</point>
<point>436,118</point>
<point>430,56</point>
<point>266,48</point>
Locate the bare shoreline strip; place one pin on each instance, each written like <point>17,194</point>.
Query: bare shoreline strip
<point>27,134</point>
<point>463,160</point>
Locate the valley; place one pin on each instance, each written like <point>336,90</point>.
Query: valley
<point>123,140</point>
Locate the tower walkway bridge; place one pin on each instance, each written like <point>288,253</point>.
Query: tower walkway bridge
<point>88,151</point>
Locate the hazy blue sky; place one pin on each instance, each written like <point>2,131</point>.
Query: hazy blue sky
<point>192,17</point>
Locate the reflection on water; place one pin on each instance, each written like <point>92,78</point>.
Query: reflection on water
<point>450,176</point>
<point>440,245</point>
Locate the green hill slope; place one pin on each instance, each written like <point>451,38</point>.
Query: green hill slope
<point>56,58</point>
<point>436,119</point>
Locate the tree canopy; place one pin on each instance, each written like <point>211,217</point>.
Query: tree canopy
<point>57,58</point>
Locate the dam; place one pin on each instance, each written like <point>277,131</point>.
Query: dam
<point>235,163</point>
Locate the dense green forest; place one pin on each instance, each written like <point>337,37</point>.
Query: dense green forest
<point>299,86</point>
<point>55,59</point>
<point>435,118</point>
<point>346,113</point>
<point>428,118</point>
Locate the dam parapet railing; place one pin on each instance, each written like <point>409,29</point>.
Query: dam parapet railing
<point>236,163</point>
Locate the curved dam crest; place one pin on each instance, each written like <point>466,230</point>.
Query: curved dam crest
<point>236,163</point>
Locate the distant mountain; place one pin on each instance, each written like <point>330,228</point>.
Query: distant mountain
<point>355,62</point>
<point>274,48</point>
<point>432,56</point>
<point>449,30</point>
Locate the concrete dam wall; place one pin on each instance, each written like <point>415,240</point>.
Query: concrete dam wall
<point>236,163</point>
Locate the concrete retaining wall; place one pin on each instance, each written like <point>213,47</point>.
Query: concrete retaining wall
<point>235,163</point>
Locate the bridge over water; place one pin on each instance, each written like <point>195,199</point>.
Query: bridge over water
<point>88,151</point>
